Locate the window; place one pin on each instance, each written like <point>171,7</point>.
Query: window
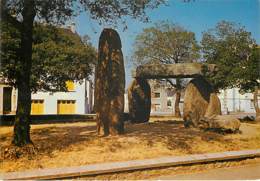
<point>252,103</point>
<point>66,106</point>
<point>7,99</point>
<point>157,107</point>
<point>70,85</point>
<point>157,95</point>
<point>170,93</point>
<point>169,103</point>
<point>37,106</point>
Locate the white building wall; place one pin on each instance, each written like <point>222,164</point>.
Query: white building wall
<point>1,99</point>
<point>232,101</point>
<point>80,95</point>
<point>126,107</point>
<point>89,96</point>
<point>83,96</point>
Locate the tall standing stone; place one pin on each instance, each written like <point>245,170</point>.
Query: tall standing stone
<point>110,84</point>
<point>139,101</point>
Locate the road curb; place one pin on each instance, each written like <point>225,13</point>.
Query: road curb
<point>113,167</point>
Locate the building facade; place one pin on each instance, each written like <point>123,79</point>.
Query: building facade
<point>8,99</point>
<point>163,99</point>
<point>232,101</point>
<point>78,100</point>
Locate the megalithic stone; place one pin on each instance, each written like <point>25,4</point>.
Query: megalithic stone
<point>139,101</point>
<point>200,101</point>
<point>110,84</point>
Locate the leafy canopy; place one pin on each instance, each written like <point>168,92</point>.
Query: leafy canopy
<point>249,76</point>
<point>165,43</point>
<point>233,50</point>
<point>59,11</point>
<point>58,56</point>
<point>56,12</point>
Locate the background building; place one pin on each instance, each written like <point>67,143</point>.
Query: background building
<point>163,99</point>
<point>232,101</point>
<point>8,98</point>
<point>78,100</point>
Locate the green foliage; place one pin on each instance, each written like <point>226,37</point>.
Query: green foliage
<point>165,43</point>
<point>60,11</point>
<point>249,77</point>
<point>58,55</point>
<point>111,11</point>
<point>231,48</point>
<point>10,49</point>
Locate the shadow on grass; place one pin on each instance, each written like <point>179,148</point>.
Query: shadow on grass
<point>171,133</point>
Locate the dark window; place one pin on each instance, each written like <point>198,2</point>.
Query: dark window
<point>169,103</point>
<point>157,95</point>
<point>7,99</point>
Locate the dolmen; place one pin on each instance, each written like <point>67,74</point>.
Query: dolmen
<point>202,108</point>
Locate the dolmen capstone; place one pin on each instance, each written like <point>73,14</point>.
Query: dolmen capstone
<point>139,101</point>
<point>202,108</point>
<point>109,84</point>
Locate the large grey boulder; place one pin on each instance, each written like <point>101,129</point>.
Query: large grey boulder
<point>139,101</point>
<point>199,101</point>
<point>109,84</point>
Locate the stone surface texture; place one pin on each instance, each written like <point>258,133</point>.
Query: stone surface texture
<point>200,102</point>
<point>225,123</point>
<point>197,102</point>
<point>181,70</point>
<point>202,108</point>
<point>257,119</point>
<point>139,100</point>
<point>109,84</point>
<point>214,106</point>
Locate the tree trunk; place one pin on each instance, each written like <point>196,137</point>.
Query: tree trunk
<point>177,103</point>
<point>177,111</point>
<point>21,135</point>
<point>257,109</point>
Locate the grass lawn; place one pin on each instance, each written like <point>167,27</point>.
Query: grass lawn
<point>74,144</point>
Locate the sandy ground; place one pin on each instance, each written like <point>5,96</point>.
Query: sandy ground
<point>74,144</point>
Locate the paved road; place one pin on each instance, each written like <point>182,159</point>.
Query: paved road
<point>246,172</point>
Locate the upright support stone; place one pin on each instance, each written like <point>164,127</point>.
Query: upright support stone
<point>199,101</point>
<point>139,100</point>
<point>110,84</point>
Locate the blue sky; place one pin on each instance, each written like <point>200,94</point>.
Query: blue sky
<point>196,16</point>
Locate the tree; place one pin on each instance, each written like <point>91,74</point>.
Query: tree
<point>249,77</point>
<point>58,56</point>
<point>166,43</point>
<point>234,51</point>
<point>23,13</point>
